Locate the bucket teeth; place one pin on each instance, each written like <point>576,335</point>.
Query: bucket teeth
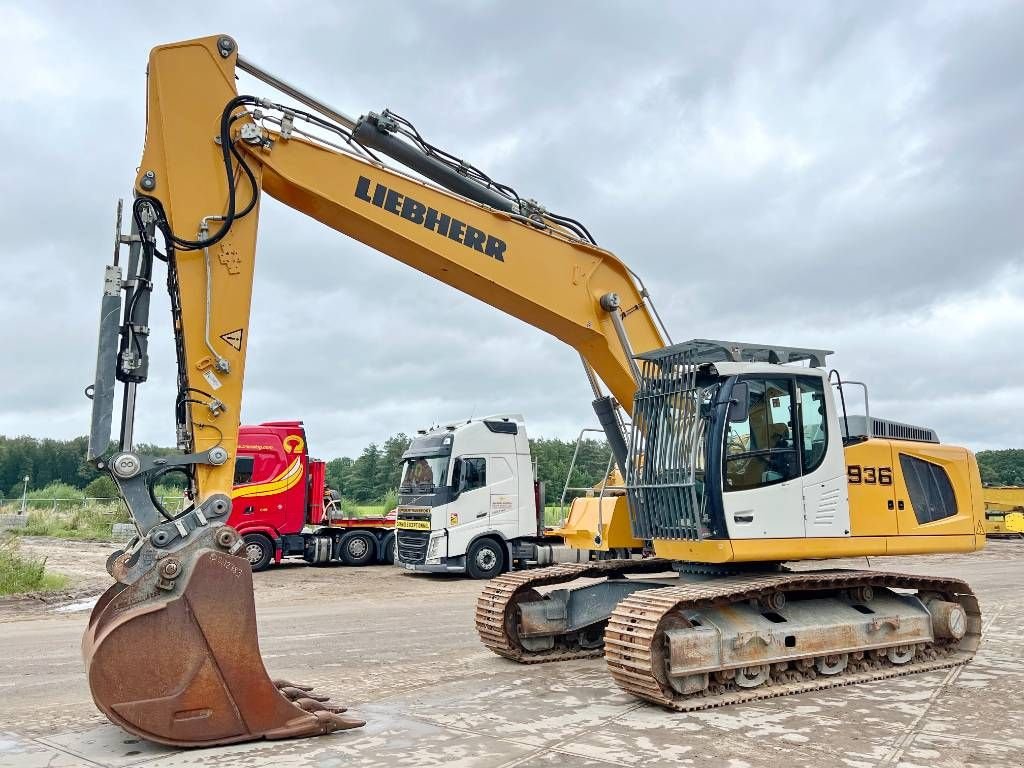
<point>318,723</point>
<point>333,721</point>
<point>313,705</point>
<point>282,683</point>
<point>294,693</point>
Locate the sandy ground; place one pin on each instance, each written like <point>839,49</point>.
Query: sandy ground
<point>401,650</point>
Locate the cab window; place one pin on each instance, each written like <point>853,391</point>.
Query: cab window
<point>472,474</point>
<point>259,467</point>
<point>243,469</point>
<point>813,424</point>
<point>761,450</point>
<point>931,493</point>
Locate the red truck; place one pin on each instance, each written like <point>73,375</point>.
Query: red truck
<point>281,508</point>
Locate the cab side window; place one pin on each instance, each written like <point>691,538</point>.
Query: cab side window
<point>243,469</point>
<point>931,493</point>
<point>473,474</point>
<point>813,423</point>
<point>761,450</point>
<point>260,467</point>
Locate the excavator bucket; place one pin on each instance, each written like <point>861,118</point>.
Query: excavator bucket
<point>173,657</point>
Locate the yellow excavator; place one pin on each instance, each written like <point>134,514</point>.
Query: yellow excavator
<point>1004,512</point>
<point>736,457</point>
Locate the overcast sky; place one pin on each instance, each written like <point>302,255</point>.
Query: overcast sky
<point>846,175</point>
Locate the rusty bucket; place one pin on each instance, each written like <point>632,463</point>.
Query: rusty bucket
<point>173,656</point>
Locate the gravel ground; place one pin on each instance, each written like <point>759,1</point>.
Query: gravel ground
<point>401,650</point>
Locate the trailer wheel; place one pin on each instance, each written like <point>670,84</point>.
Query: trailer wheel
<point>485,559</point>
<point>259,551</point>
<point>388,554</point>
<point>358,548</point>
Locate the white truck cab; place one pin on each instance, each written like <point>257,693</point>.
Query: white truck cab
<point>469,503</point>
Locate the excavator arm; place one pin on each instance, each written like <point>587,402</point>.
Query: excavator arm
<point>529,268</point>
<point>182,592</point>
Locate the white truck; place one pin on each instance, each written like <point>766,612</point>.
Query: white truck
<point>468,502</point>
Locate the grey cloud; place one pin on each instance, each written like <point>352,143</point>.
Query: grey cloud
<point>843,175</point>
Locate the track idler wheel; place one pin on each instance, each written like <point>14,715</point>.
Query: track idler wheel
<point>174,657</point>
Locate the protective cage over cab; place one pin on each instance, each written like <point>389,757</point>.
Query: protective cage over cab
<point>683,454</point>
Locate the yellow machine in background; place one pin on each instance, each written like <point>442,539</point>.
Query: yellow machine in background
<point>1004,511</point>
<point>737,456</point>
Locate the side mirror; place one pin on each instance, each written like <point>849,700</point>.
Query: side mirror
<point>739,405</point>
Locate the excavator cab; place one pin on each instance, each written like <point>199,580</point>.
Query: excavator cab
<point>722,431</point>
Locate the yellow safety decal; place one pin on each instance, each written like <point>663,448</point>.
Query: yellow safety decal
<point>414,525</point>
<point>287,479</point>
<point>453,519</point>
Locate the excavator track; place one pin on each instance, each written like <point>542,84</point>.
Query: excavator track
<point>496,614</point>
<point>636,644</point>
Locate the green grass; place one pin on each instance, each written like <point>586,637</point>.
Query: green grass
<point>366,510</point>
<point>553,514</point>
<point>20,574</point>
<point>91,521</point>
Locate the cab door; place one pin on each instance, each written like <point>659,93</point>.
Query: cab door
<point>502,484</point>
<point>822,469</point>
<point>762,492</point>
<point>472,504</point>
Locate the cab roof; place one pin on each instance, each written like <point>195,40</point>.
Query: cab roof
<point>697,351</point>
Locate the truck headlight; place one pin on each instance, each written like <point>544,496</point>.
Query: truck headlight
<point>434,549</point>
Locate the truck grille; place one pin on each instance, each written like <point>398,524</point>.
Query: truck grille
<point>412,546</point>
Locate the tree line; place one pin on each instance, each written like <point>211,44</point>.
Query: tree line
<point>46,461</point>
<point>376,472</point>
<point>371,475</point>
<point>1004,467</point>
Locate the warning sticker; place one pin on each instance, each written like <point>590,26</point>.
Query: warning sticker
<point>234,338</point>
<point>211,379</point>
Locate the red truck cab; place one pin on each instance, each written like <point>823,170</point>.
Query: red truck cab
<point>279,496</point>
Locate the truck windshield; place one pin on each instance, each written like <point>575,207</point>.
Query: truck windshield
<point>423,473</point>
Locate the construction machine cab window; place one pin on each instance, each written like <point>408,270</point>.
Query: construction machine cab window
<point>760,450</point>
<point>813,422</point>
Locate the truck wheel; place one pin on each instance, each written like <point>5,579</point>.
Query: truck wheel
<point>358,548</point>
<point>485,559</point>
<point>388,555</point>
<point>259,550</point>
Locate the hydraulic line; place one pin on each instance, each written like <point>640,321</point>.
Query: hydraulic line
<point>220,362</point>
